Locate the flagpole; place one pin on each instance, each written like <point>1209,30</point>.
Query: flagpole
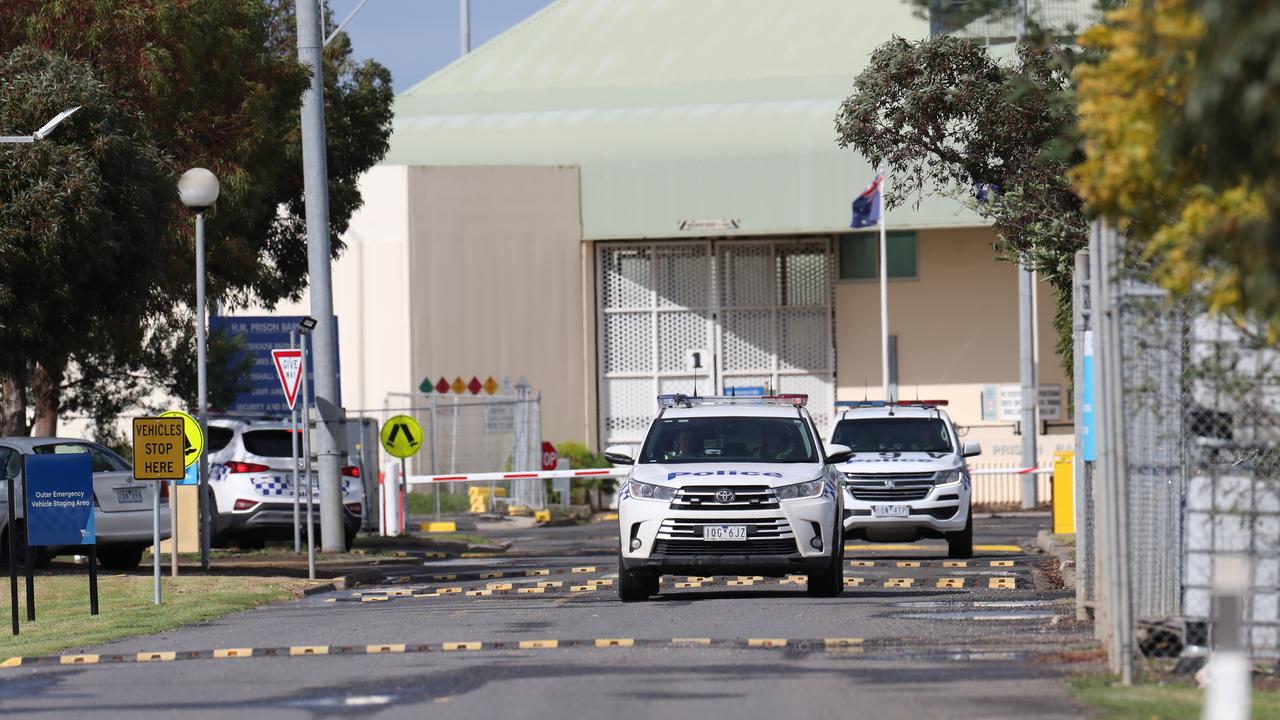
<point>884,292</point>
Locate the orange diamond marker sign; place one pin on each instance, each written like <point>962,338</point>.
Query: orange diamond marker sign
<point>490,385</point>
<point>458,386</point>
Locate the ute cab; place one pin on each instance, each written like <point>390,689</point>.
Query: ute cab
<point>730,485</point>
<point>905,477</point>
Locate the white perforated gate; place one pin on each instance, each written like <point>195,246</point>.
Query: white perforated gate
<point>762,307</point>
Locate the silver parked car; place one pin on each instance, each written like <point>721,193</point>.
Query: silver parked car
<point>121,505</point>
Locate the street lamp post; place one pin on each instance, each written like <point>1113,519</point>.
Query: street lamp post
<point>43,132</point>
<point>199,189</point>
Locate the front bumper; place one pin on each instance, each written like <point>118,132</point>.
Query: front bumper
<point>778,540</point>
<point>277,517</point>
<point>944,509</point>
<point>130,526</point>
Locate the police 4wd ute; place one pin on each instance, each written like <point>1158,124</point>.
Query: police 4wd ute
<point>726,485</point>
<point>906,478</point>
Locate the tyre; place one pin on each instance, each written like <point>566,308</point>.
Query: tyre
<point>830,581</point>
<point>635,587</point>
<point>349,538</point>
<point>960,544</point>
<point>120,557</point>
<point>251,541</point>
<point>41,556</point>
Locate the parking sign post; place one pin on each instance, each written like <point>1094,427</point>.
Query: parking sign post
<point>13,556</point>
<point>288,365</point>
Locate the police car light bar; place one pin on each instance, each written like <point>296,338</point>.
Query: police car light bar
<point>679,400</point>
<point>882,403</point>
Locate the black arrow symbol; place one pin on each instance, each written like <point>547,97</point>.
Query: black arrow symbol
<point>407,434</point>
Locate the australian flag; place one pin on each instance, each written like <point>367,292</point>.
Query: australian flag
<point>867,206</point>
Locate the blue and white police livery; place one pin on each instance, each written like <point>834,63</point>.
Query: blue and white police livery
<point>906,478</point>
<point>725,485</point>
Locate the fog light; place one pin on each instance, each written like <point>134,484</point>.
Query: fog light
<point>635,543</point>
<point>815,542</point>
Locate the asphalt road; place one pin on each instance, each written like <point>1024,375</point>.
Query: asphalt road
<point>899,643</point>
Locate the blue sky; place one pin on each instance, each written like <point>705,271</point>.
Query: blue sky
<point>415,38</point>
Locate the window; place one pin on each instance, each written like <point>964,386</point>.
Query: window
<point>269,443</point>
<point>894,435</point>
<point>218,438</point>
<point>860,255</point>
<point>729,439</point>
<point>103,460</point>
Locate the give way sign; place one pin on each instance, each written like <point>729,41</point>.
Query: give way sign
<point>288,362</point>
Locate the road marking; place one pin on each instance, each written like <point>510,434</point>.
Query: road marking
<point>79,660</point>
<point>531,590</point>
<point>233,653</point>
<point>375,598</point>
<point>479,593</point>
<point>156,656</point>
<point>1002,583</point>
<point>904,547</point>
<point>537,573</point>
<point>685,585</point>
<point>862,563</point>
<point>499,586</point>
<point>841,642</point>
<point>766,642</point>
<point>690,641</point>
<point>581,588</point>
<point>853,581</point>
<point>488,575</point>
<point>539,644</point>
<point>740,583</point>
<point>451,646</point>
<point>950,582</point>
<point>309,650</point>
<point>899,582</point>
<point>954,564</point>
<point>700,578</point>
<point>615,642</point>
<point>1001,563</point>
<point>909,564</point>
<point>584,569</point>
<point>379,649</point>
<point>550,584</point>
<point>11,662</point>
<point>448,590</point>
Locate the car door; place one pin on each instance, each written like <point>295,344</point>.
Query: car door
<point>10,468</point>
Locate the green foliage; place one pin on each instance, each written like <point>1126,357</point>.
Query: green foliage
<point>166,85</point>
<point>581,458</point>
<point>943,115</point>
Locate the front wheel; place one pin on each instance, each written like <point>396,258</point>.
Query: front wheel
<point>830,581</point>
<point>960,544</point>
<point>635,587</point>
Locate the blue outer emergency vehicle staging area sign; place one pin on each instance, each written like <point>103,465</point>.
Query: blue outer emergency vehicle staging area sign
<point>60,499</point>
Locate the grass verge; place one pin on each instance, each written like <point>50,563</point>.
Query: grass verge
<point>1166,701</point>
<point>125,608</point>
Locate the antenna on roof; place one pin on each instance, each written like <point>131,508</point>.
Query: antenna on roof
<point>864,390</point>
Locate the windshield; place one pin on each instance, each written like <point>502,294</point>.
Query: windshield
<point>894,435</point>
<point>729,439</point>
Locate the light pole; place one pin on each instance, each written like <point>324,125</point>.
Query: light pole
<point>199,189</point>
<point>43,132</point>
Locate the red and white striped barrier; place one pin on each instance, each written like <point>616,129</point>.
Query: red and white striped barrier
<point>530,475</point>
<point>1013,471</point>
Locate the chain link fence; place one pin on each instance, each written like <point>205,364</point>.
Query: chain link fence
<point>477,433</point>
<point>1188,442</point>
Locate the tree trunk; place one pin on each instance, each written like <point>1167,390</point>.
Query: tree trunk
<point>46,391</point>
<point>13,407</point>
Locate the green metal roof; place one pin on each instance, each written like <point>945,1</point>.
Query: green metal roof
<point>673,109</point>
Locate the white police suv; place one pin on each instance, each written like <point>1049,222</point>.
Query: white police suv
<point>906,477</point>
<point>726,485</point>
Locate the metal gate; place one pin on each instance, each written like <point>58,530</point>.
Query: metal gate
<point>763,308</point>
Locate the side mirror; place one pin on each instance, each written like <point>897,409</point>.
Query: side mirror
<point>619,454</point>
<point>837,454</point>
<point>972,448</point>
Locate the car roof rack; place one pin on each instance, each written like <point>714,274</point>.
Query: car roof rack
<point>688,401</point>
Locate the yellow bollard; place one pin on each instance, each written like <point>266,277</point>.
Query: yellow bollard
<point>1064,497</point>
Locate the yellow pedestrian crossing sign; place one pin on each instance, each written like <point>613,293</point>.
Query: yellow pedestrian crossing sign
<point>401,436</point>
<point>192,440</point>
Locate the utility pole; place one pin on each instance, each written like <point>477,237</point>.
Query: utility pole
<point>464,26</point>
<point>1026,350</point>
<point>316,189</point>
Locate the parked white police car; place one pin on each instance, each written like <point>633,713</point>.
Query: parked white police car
<point>726,485</point>
<point>906,478</point>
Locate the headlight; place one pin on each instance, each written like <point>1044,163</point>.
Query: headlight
<point>946,477</point>
<point>813,488</point>
<point>645,491</point>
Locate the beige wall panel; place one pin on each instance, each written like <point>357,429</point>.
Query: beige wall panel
<point>496,283</point>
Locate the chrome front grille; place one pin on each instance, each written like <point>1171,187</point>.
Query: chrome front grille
<point>890,487</point>
<point>757,528</point>
<point>745,497</point>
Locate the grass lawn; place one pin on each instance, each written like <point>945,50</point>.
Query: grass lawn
<point>62,608</point>
<point>1110,701</point>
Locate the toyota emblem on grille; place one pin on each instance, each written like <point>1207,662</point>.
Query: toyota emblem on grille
<point>724,496</point>
<point>889,484</point>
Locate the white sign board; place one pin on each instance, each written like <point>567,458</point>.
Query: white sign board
<point>1011,402</point>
